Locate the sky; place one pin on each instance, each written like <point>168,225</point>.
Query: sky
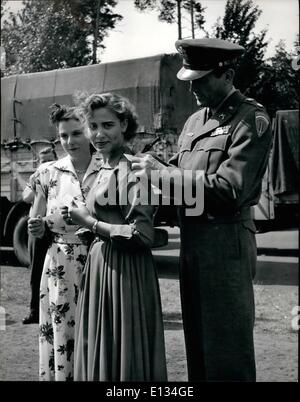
<point>142,34</point>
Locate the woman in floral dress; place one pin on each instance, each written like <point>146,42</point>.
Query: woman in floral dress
<point>119,327</point>
<point>68,178</point>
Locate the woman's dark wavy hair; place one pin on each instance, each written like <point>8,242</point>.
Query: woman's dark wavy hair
<point>60,113</point>
<point>118,104</point>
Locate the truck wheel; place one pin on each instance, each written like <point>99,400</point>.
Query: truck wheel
<point>20,241</point>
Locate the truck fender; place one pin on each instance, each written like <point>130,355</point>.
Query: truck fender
<point>20,240</point>
<point>18,210</point>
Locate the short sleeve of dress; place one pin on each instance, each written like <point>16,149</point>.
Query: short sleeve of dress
<point>41,181</point>
<point>33,180</point>
<point>134,198</point>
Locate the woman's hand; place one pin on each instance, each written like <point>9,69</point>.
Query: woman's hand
<point>64,211</point>
<point>79,214</point>
<point>36,227</point>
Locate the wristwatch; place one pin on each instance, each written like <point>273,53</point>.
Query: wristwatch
<point>94,227</point>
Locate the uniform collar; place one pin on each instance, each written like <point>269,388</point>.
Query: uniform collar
<point>224,113</point>
<point>233,89</point>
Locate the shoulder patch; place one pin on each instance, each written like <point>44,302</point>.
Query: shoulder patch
<point>261,122</point>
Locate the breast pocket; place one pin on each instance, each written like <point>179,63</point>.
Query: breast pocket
<point>212,152</point>
<point>184,153</point>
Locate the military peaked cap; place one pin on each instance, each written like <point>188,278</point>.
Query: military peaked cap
<point>201,56</point>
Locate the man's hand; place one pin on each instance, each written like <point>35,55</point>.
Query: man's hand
<point>36,227</point>
<point>144,164</point>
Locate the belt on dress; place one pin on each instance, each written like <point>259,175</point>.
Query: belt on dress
<point>68,238</point>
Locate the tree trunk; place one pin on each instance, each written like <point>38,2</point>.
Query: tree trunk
<point>179,19</point>
<point>96,32</point>
<point>192,19</point>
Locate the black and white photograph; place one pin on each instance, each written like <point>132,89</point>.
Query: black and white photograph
<point>149,193</point>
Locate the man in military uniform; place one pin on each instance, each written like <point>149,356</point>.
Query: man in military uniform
<point>229,139</point>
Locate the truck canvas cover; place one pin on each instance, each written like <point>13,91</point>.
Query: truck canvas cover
<point>162,101</point>
<point>285,155</point>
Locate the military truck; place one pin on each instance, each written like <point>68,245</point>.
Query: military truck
<point>163,104</point>
<point>278,207</point>
<point>162,101</point>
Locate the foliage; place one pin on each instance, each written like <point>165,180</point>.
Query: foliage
<point>272,82</point>
<point>280,81</point>
<point>238,26</point>
<point>199,19</point>
<point>170,11</point>
<point>3,9</point>
<point>52,34</point>
<point>238,22</point>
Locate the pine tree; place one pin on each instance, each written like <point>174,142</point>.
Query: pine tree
<point>238,26</point>
<point>280,82</point>
<point>52,34</point>
<point>272,82</point>
<point>171,11</point>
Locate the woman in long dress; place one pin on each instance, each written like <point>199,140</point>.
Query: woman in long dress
<point>71,176</point>
<point>119,327</point>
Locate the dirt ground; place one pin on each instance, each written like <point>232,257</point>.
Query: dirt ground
<point>275,339</point>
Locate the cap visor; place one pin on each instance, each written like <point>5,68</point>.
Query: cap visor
<point>189,75</point>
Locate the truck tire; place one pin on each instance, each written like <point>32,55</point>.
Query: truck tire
<point>20,241</point>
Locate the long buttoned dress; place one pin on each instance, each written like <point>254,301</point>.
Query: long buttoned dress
<point>119,327</point>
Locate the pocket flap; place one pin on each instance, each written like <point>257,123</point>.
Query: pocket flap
<point>186,145</point>
<point>217,142</point>
<point>249,224</point>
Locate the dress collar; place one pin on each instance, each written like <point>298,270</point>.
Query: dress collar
<point>65,164</point>
<point>122,152</point>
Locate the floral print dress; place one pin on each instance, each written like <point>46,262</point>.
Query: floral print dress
<point>62,269</point>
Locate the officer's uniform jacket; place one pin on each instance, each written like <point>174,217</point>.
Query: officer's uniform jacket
<point>218,248</point>
<point>232,149</point>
